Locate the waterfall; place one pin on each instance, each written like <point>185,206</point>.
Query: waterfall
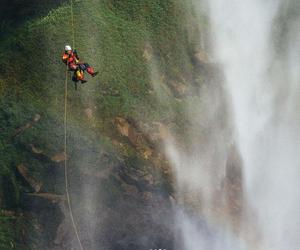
<point>262,85</point>
<point>257,45</point>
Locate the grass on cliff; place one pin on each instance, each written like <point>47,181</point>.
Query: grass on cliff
<point>111,35</point>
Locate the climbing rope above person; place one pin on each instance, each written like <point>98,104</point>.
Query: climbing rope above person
<point>71,58</point>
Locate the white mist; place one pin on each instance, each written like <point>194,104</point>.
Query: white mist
<point>257,45</point>
<point>263,92</point>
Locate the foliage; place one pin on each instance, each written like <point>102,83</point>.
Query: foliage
<point>111,35</point>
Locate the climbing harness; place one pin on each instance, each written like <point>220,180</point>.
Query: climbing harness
<point>65,138</point>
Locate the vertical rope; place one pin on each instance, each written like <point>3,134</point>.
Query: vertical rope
<point>65,139</point>
<point>73,27</point>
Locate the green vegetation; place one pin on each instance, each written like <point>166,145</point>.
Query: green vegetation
<point>111,35</point>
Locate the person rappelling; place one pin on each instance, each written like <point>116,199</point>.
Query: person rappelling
<point>71,58</point>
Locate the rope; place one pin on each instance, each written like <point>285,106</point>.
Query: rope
<point>73,27</point>
<point>65,139</point>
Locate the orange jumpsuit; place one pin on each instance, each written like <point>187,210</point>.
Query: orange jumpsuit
<point>72,60</point>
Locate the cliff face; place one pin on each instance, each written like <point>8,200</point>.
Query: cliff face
<point>120,181</point>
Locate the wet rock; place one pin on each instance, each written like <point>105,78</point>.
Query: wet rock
<point>129,129</point>
<point>234,184</point>
<point>35,150</point>
<point>53,198</point>
<point>179,89</point>
<point>201,57</point>
<point>123,126</point>
<point>147,153</point>
<point>60,157</point>
<point>147,140</point>
<point>35,184</point>
<point>89,113</point>
<point>156,133</point>
<point>26,126</point>
<point>129,189</point>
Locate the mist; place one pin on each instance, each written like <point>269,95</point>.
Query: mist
<point>250,112</point>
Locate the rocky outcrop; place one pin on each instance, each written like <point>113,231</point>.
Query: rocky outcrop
<point>178,88</point>
<point>53,198</point>
<point>234,180</point>
<point>130,129</point>
<point>144,137</point>
<point>34,184</point>
<point>201,57</point>
<point>59,157</point>
<point>147,139</point>
<point>26,126</point>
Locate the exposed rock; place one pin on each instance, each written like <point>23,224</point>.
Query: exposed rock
<point>35,150</point>
<point>147,140</point>
<point>201,57</point>
<point>60,157</point>
<point>26,126</point>
<point>89,113</point>
<point>179,89</point>
<point>123,126</point>
<point>57,159</point>
<point>129,189</point>
<point>53,198</point>
<point>130,130</point>
<point>172,200</point>
<point>147,196</point>
<point>147,153</point>
<point>156,132</point>
<point>35,184</point>
<point>234,179</point>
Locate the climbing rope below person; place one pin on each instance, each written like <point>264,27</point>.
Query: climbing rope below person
<point>65,140</point>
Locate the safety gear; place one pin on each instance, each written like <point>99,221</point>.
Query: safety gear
<point>94,74</point>
<point>73,66</point>
<point>68,48</point>
<point>71,59</point>
<point>79,74</point>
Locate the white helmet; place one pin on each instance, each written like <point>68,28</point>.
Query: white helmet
<point>68,47</point>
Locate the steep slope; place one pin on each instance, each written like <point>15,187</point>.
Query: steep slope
<point>127,41</point>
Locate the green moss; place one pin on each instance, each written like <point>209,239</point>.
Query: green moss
<point>112,36</point>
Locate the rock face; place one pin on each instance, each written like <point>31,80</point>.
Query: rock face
<point>130,129</point>
<point>179,89</point>
<point>59,157</point>
<point>117,203</point>
<point>201,57</point>
<point>89,113</point>
<point>142,135</point>
<point>147,139</point>
<point>233,185</point>
<point>136,215</point>
<point>26,126</point>
<point>35,184</point>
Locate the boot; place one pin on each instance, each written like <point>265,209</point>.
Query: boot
<point>94,74</point>
<point>74,79</point>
